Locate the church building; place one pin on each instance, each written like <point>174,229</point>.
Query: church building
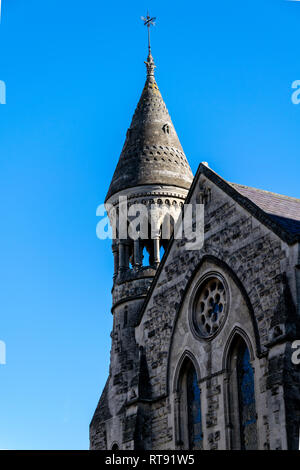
<point>202,340</point>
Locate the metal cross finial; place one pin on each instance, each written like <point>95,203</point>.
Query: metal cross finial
<point>148,21</point>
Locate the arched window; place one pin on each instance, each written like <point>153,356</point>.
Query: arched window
<point>194,411</point>
<point>245,377</point>
<point>168,222</point>
<point>115,447</point>
<point>189,416</point>
<point>161,251</point>
<point>145,256</point>
<point>242,397</point>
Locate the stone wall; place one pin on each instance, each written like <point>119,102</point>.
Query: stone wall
<point>258,266</point>
<point>141,404</point>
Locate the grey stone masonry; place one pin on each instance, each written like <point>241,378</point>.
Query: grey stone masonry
<point>152,153</point>
<point>194,311</point>
<point>152,171</point>
<point>260,264</point>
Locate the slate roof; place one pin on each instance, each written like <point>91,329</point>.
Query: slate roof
<point>284,210</point>
<point>152,153</point>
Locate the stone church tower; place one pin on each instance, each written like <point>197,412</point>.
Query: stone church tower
<point>201,354</point>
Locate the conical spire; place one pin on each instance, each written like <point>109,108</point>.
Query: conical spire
<point>152,153</point>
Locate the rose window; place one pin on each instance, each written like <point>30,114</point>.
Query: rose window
<point>210,307</point>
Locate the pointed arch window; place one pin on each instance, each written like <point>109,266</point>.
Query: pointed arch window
<point>246,395</point>
<point>189,415</point>
<point>242,398</point>
<point>194,411</point>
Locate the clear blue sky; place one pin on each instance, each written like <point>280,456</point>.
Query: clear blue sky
<point>74,72</point>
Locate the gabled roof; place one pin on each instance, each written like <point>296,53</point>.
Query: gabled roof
<point>152,153</point>
<point>281,214</point>
<point>283,209</point>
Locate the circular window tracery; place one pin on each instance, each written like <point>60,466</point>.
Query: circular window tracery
<point>210,306</point>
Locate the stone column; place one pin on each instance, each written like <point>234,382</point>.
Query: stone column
<point>156,253</point>
<point>122,255</point>
<point>137,254</point>
<point>126,254</point>
<point>116,259</point>
<point>177,421</point>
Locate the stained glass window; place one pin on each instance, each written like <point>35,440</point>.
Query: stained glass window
<point>246,396</point>
<point>194,411</point>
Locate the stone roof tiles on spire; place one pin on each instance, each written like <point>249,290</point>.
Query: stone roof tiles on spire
<point>152,153</point>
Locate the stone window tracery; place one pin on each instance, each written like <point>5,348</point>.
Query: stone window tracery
<point>210,306</point>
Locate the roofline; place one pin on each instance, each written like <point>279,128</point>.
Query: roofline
<point>243,201</point>
<point>289,198</point>
<point>249,205</point>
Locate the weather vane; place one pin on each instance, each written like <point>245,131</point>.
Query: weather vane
<point>148,21</point>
